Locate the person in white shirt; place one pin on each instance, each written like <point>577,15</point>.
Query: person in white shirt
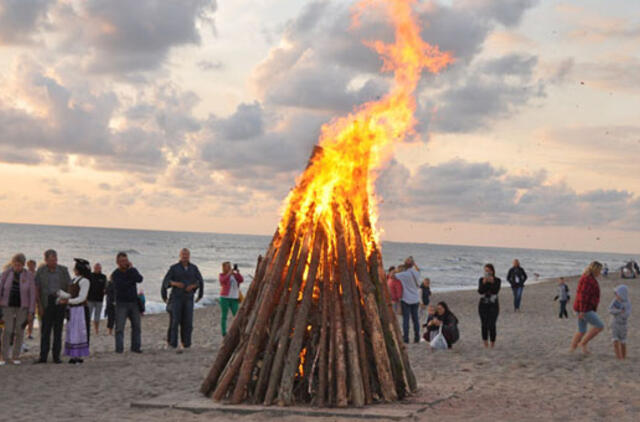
<point>409,276</point>
<point>76,344</point>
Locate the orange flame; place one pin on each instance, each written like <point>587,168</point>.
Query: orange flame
<point>354,146</point>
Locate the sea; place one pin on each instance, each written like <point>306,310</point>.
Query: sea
<point>152,252</point>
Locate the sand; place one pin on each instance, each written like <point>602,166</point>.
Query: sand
<point>530,375</point>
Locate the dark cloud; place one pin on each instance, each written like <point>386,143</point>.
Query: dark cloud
<point>19,19</point>
<point>464,191</point>
<point>123,36</point>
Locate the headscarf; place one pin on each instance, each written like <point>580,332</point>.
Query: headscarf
<point>83,267</point>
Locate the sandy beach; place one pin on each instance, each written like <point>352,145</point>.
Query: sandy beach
<point>530,375</point>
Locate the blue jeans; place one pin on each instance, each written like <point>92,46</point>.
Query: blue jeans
<point>410,311</point>
<point>517,296</point>
<point>132,312</point>
<point>592,318</point>
<point>181,318</point>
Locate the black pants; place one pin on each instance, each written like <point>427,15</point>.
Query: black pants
<point>52,320</point>
<point>410,312</point>
<point>87,320</point>
<point>488,317</point>
<point>563,309</point>
<point>111,316</point>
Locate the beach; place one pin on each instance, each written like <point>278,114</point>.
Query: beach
<point>530,375</point>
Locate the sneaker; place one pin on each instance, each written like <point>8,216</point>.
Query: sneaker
<point>2,363</point>
<point>17,362</point>
<point>137,351</point>
<point>57,361</point>
<point>39,361</point>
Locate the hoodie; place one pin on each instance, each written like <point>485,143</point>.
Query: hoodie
<point>621,308</point>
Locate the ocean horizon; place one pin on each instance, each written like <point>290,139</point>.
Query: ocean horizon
<point>450,267</point>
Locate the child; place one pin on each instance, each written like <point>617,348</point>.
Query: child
<point>620,309</point>
<point>563,295</point>
<point>431,315</point>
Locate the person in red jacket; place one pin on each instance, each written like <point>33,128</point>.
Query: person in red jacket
<point>395,289</point>
<point>586,305</point>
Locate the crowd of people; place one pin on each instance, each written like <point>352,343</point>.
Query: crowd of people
<point>52,294</point>
<point>441,323</point>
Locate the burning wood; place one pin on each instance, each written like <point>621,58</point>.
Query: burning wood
<point>317,326</point>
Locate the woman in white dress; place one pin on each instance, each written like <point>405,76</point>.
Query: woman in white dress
<point>76,344</point>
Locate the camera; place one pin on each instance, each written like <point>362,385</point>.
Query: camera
<point>235,267</point>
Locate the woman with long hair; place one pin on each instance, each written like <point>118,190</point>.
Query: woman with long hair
<point>586,305</point>
<point>445,319</point>
<point>18,302</point>
<point>489,307</point>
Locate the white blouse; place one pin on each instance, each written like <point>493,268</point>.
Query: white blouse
<point>82,296</point>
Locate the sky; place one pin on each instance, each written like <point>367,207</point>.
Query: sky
<point>198,115</point>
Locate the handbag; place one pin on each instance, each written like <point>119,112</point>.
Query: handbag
<point>439,342</point>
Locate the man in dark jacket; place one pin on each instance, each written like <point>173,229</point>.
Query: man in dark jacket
<point>183,279</point>
<point>50,279</point>
<point>125,281</point>
<point>516,277</point>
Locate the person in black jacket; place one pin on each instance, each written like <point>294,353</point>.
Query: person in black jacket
<point>516,277</point>
<point>489,307</point>
<point>443,317</point>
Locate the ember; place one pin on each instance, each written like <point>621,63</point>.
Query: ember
<point>316,325</point>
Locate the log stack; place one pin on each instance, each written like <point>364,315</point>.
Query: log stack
<point>316,326</point>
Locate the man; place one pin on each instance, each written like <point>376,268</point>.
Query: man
<point>125,281</point>
<point>96,295</point>
<point>516,277</point>
<point>410,302</point>
<point>50,278</point>
<point>183,279</point>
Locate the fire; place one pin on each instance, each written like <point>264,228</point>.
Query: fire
<point>303,354</point>
<point>352,147</point>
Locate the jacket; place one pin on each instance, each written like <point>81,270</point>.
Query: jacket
<point>395,289</point>
<point>42,282</point>
<point>125,285</point>
<point>189,276</point>
<point>489,291</point>
<point>587,294</point>
<point>516,277</point>
<point>225,282</point>
<point>27,289</point>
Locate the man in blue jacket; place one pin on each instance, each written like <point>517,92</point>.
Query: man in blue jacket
<point>517,277</point>
<point>183,279</point>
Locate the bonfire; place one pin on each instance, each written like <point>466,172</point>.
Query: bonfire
<point>316,326</point>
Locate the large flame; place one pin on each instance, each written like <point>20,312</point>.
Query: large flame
<point>352,147</point>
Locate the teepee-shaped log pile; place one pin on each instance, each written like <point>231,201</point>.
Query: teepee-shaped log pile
<point>316,326</point>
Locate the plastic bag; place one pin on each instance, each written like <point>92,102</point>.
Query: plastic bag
<point>439,342</point>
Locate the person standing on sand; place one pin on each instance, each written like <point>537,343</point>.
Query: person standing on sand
<point>183,279</point>
<point>125,280</point>
<point>18,302</point>
<point>51,280</point>
<point>96,295</point>
<point>410,302</point>
<point>586,305</point>
<point>110,308</point>
<point>230,280</point>
<point>489,307</point>
<point>76,344</point>
<point>517,277</point>
<point>620,310</point>
<point>395,290</point>
<point>563,295</point>
<point>31,267</point>
<point>425,288</point>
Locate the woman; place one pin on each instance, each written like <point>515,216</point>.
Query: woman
<point>230,280</point>
<point>489,307</point>
<point>586,305</point>
<point>76,344</point>
<point>18,302</point>
<point>444,318</point>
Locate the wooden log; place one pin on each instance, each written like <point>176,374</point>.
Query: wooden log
<point>354,368</point>
<point>284,335</point>
<point>276,325</point>
<point>331,369</point>
<point>377,272</point>
<point>339,358</point>
<point>273,278</point>
<point>325,300</point>
<point>233,336</point>
<point>383,366</point>
<point>285,396</point>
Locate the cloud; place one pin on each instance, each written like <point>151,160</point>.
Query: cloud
<point>459,190</point>
<point>207,65</point>
<point>20,19</point>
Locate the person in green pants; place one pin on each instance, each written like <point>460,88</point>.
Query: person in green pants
<point>230,279</point>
